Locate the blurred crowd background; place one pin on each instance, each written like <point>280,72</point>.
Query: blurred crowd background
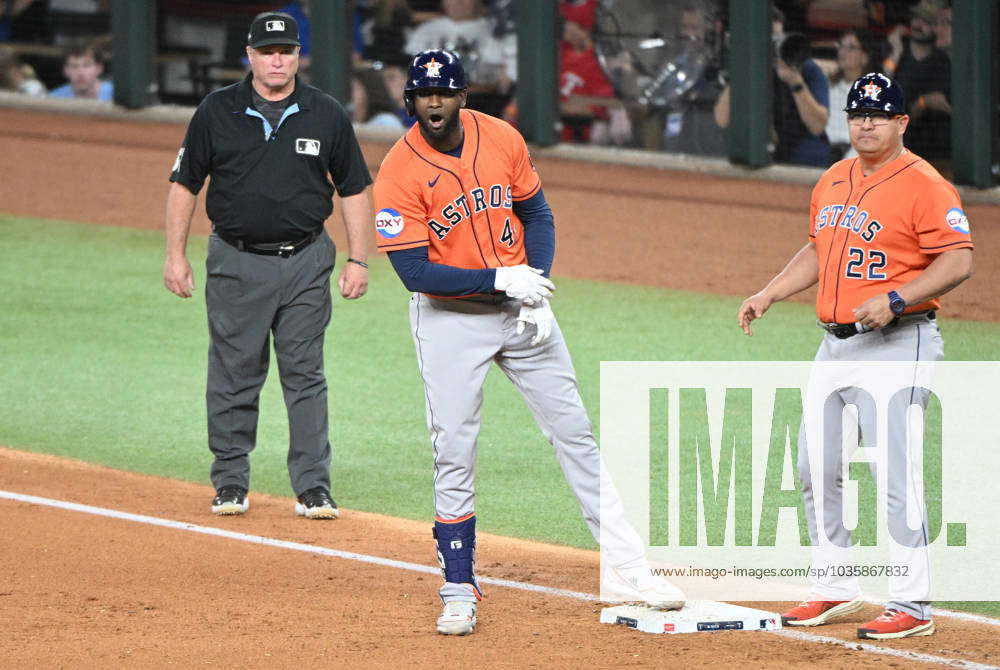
<point>649,74</point>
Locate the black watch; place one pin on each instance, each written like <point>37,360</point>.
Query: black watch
<point>896,303</point>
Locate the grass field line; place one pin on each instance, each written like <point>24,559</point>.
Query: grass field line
<point>508,583</point>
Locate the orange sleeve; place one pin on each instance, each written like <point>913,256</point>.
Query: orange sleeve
<point>939,222</point>
<point>524,181</point>
<point>813,210</point>
<point>400,217</point>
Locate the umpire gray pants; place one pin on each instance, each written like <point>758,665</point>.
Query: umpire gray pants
<point>250,297</point>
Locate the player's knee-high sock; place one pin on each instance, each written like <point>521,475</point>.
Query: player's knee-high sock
<point>456,550</point>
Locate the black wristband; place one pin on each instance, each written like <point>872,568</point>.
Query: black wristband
<point>361,263</point>
<point>797,88</point>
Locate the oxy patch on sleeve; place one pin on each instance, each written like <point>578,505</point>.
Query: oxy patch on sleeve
<point>389,223</point>
<point>957,220</point>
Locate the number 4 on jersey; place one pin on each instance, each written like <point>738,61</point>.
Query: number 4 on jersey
<point>507,236</point>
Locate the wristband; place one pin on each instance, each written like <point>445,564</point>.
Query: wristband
<point>798,87</point>
<point>361,263</point>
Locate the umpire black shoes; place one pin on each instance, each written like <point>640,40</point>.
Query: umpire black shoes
<point>230,500</point>
<point>316,503</point>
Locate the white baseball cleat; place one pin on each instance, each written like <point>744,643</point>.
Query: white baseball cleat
<point>458,618</point>
<point>638,584</point>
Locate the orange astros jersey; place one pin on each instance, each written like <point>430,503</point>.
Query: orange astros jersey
<point>876,233</point>
<point>461,208</point>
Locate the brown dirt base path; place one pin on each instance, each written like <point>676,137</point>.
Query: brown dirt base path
<point>81,590</point>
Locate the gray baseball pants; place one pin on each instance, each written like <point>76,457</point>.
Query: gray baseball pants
<point>250,298</point>
<point>456,343</point>
<point>917,340</point>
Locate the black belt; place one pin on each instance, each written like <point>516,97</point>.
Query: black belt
<point>283,249</point>
<point>842,331</point>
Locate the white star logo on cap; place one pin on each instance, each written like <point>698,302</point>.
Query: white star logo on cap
<point>871,90</point>
<point>433,68</point>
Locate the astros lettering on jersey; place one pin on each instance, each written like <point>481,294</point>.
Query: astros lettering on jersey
<point>461,208</point>
<point>876,233</point>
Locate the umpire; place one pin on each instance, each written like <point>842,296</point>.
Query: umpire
<point>275,148</point>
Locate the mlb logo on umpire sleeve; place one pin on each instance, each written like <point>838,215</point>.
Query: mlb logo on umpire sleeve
<point>307,146</point>
<point>271,26</point>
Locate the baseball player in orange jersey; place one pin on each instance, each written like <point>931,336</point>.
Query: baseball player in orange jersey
<point>461,213</point>
<point>887,238</point>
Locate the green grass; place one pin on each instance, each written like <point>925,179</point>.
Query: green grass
<point>102,364</point>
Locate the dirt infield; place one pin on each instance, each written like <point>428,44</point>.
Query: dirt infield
<point>78,589</point>
<point>674,229</point>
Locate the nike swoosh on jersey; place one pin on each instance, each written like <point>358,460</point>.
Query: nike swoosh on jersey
<point>839,181</point>
<point>434,181</point>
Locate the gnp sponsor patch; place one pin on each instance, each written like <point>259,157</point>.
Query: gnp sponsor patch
<point>388,223</point>
<point>957,220</point>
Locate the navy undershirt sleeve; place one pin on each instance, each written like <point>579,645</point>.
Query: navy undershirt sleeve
<point>421,276</point>
<point>418,274</point>
<point>539,231</point>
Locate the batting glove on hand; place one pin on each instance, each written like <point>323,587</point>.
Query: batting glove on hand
<point>541,315</point>
<point>523,283</point>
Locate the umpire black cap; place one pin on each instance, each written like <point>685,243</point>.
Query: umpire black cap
<point>270,28</point>
<point>875,91</point>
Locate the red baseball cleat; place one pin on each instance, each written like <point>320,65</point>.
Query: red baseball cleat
<point>893,624</point>
<point>818,612</point>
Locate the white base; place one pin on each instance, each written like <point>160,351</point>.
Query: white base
<point>697,616</point>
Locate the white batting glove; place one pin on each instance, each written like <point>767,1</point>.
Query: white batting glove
<point>523,283</point>
<point>539,314</point>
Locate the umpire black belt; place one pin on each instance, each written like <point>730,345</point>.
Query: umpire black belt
<point>842,331</point>
<point>283,249</point>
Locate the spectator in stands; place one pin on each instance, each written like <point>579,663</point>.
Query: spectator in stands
<point>857,54</point>
<point>464,30</point>
<point>581,77</point>
<point>299,11</point>
<point>691,128</point>
<point>78,21</point>
<point>942,30</point>
<point>393,69</point>
<point>800,104</point>
<point>424,10</point>
<point>10,10</point>
<point>83,67</point>
<point>385,23</point>
<point>370,102</point>
<point>16,77</point>
<point>924,73</point>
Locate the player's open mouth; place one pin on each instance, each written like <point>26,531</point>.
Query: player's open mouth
<point>435,121</point>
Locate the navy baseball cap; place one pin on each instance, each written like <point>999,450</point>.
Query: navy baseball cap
<point>435,68</point>
<point>270,28</point>
<point>876,92</point>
